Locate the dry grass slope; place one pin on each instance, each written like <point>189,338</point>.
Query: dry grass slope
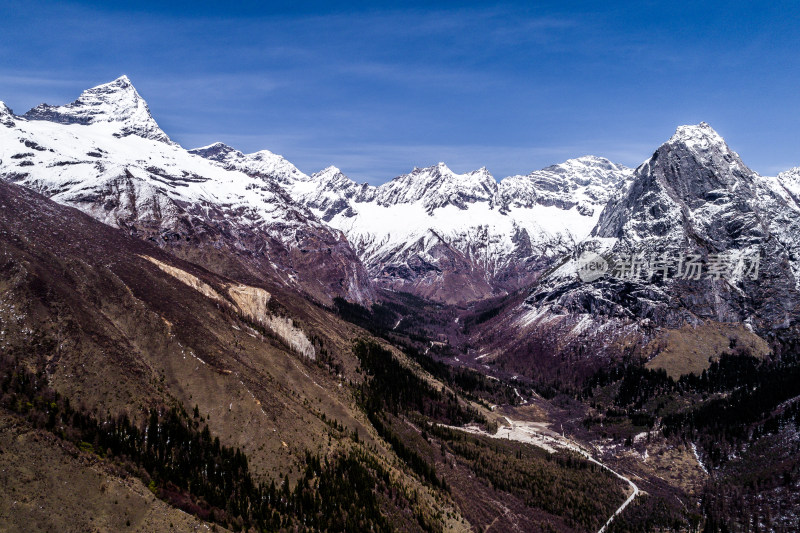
<point>691,349</point>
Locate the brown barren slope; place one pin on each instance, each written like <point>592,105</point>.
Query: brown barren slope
<point>115,332</point>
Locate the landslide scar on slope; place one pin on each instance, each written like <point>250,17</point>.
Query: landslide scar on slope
<point>249,302</point>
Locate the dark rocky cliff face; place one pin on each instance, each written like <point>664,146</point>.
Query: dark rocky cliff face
<point>693,202</point>
<point>714,243</point>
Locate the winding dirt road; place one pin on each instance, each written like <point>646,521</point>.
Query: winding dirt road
<point>539,434</point>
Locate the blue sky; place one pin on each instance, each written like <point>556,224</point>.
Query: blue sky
<point>377,91</point>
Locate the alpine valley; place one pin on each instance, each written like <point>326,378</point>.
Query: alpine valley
<point>197,339</point>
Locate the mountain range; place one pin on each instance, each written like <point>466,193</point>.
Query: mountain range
<point>448,237</point>
<point>138,274</point>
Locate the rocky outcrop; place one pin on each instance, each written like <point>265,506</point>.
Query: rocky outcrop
<point>293,336</point>
<point>251,301</point>
<point>6,116</point>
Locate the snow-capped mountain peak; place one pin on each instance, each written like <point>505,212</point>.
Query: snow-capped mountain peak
<point>332,178</point>
<point>586,182</point>
<point>694,181</point>
<point>708,148</point>
<point>327,171</point>
<point>700,136</point>
<point>104,155</point>
<point>329,191</point>
<point>6,115</point>
<point>116,103</point>
<point>216,152</point>
<point>789,182</point>
<point>434,227</point>
<point>438,186</point>
<point>694,198</point>
<point>329,180</point>
<point>793,174</point>
<point>442,173</point>
<point>588,169</point>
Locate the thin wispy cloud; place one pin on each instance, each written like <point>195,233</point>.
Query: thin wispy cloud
<point>38,81</point>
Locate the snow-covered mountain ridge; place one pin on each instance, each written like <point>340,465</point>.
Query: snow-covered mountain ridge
<point>434,232</point>
<point>105,155</point>
<point>488,237</point>
<point>449,236</point>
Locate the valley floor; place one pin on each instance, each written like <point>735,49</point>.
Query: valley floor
<point>539,434</point>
